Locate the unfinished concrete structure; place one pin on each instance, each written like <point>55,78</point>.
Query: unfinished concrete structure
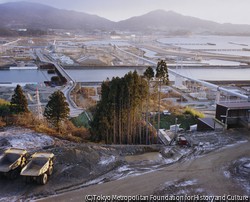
<point>233,114</point>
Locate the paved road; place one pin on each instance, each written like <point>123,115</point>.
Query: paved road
<point>208,171</point>
<point>74,110</point>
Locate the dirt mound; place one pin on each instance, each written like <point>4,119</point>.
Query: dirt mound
<point>80,163</point>
<point>4,143</point>
<point>75,164</point>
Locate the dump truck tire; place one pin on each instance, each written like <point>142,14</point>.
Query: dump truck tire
<point>8,174</point>
<point>38,180</point>
<point>44,178</point>
<point>50,170</point>
<point>29,179</point>
<point>25,179</point>
<point>14,174</point>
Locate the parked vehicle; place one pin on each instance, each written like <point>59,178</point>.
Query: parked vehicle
<point>166,113</point>
<point>12,162</point>
<point>39,168</point>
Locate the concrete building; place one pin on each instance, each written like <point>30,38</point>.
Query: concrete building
<point>234,114</point>
<point>228,115</point>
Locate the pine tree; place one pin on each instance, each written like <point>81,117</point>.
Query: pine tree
<point>143,92</point>
<point>136,97</point>
<point>162,75</point>
<point>19,102</point>
<point>118,112</point>
<point>148,74</point>
<point>105,111</point>
<point>129,84</point>
<point>57,109</point>
<point>99,127</point>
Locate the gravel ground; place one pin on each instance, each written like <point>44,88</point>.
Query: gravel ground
<point>80,169</point>
<point>202,176</point>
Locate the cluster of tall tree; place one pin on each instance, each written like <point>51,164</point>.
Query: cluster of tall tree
<point>121,116</point>
<point>118,115</point>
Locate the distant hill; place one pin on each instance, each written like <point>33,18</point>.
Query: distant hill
<point>169,20</point>
<point>34,15</point>
<point>161,19</point>
<point>39,16</point>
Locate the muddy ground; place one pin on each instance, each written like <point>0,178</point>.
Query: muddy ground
<point>75,163</point>
<point>79,166</point>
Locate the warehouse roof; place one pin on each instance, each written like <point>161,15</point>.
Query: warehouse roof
<point>243,105</point>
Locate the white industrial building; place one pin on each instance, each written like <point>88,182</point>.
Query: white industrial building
<point>63,59</point>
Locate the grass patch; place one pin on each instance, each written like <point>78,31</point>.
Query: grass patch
<point>82,119</point>
<point>186,120</point>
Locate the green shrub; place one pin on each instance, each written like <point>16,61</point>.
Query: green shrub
<point>4,102</point>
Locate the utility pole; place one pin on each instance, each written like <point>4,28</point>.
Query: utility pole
<point>175,135</point>
<point>39,108</point>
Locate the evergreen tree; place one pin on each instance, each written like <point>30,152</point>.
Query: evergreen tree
<point>136,97</point>
<point>129,85</point>
<point>99,127</point>
<point>154,98</point>
<point>19,102</point>
<point>57,109</point>
<point>118,112</point>
<point>149,75</point>
<point>162,75</point>
<point>143,92</point>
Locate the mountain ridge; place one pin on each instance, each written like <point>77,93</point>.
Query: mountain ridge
<point>39,16</point>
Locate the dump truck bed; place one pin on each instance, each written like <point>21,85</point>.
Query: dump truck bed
<point>42,154</point>
<point>11,157</point>
<point>38,164</point>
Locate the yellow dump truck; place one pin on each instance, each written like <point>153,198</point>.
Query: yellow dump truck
<point>39,167</point>
<point>12,162</point>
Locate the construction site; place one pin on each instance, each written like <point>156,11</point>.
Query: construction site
<point>89,168</point>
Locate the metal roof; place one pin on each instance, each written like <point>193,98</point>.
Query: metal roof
<point>243,105</point>
<point>207,121</point>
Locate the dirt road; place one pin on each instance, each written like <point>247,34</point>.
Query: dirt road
<point>207,175</point>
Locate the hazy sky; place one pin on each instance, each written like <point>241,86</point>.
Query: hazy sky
<point>222,11</point>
